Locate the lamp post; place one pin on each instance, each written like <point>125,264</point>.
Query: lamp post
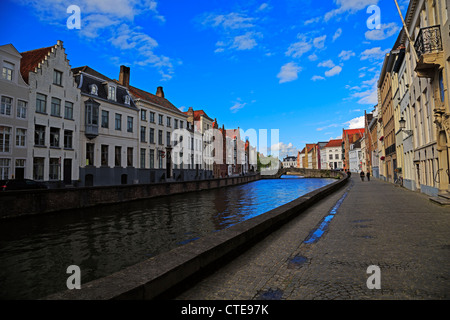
<point>402,123</point>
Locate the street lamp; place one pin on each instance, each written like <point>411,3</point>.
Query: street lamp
<point>403,126</point>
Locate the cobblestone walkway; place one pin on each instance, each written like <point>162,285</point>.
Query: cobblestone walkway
<point>366,223</point>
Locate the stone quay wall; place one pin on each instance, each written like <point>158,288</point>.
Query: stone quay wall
<point>22,203</point>
<point>161,276</point>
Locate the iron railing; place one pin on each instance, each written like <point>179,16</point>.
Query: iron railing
<point>428,40</point>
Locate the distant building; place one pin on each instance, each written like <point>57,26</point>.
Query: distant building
<point>108,130</point>
<point>290,162</point>
<point>332,153</point>
<point>53,116</point>
<point>14,116</point>
<point>350,136</point>
<point>355,157</point>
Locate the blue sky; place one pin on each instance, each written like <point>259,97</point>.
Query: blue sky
<point>308,68</point>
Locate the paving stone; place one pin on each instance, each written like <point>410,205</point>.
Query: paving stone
<point>400,231</point>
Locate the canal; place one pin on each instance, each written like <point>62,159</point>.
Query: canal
<point>36,251</point>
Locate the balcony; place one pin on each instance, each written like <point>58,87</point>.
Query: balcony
<point>429,50</point>
<point>91,131</point>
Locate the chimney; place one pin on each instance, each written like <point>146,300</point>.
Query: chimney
<point>160,92</point>
<point>124,76</point>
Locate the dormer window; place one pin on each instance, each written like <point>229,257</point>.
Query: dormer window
<point>8,70</point>
<point>127,99</point>
<point>94,89</point>
<point>112,93</point>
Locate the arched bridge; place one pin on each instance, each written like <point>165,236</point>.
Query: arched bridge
<point>307,173</point>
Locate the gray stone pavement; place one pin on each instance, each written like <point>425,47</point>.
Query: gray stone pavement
<point>377,223</point>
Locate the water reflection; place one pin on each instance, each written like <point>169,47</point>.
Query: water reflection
<point>35,252</point>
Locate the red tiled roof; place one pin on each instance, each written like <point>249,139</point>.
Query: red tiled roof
<point>334,143</point>
<point>353,131</point>
<point>147,96</point>
<point>31,59</point>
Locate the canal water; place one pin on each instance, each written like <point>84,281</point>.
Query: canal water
<point>36,251</point>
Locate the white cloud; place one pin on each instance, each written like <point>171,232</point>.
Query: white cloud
<point>315,78</point>
<point>237,106</point>
<point>233,20</point>
<point>337,34</point>
<point>319,42</point>
<point>349,6</point>
<point>284,150</point>
<point>263,6</point>
<point>297,49</point>
<point>345,55</point>
<point>111,23</point>
<point>374,54</point>
<point>312,20</point>
<point>386,31</point>
<point>355,123</point>
<point>246,41</point>
<point>327,64</point>
<point>313,57</point>
<point>289,72</point>
<point>334,71</point>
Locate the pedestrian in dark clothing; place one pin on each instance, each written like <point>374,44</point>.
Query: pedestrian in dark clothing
<point>368,176</point>
<point>362,175</point>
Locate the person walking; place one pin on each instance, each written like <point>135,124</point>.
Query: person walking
<point>362,175</point>
<point>368,175</point>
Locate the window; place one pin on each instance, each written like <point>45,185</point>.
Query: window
<point>112,93</point>
<point>144,115</point>
<point>441,86</point>
<point>160,160</point>
<point>68,110</point>
<point>168,138</point>
<point>127,99</point>
<point>175,123</point>
<point>54,137</point>
<point>118,121</point>
<point>6,105</point>
<point>21,137</point>
<point>38,168</point>
<point>41,103</point>
<point>152,158</point>
<point>118,156</point>
<point>56,107</point>
<point>160,137</point>
<point>129,157</point>
<point>57,77</point>
<point>94,89</point>
<point>105,119</point>
<point>129,124</point>
<point>21,109</point>
<point>91,114</point>
<point>160,119</point>
<point>104,155</point>
<point>8,70</point>
<point>168,121</point>
<point>142,158</point>
<point>90,154</point>
<point>143,133</point>
<point>152,135</point>
<point>181,124</point>
<point>39,135</point>
<point>152,117</point>
<point>330,157</point>
<point>68,139</point>
<point>5,139</point>
<point>54,169</point>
